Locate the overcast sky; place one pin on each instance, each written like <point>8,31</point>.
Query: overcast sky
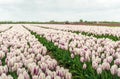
<point>59,10</point>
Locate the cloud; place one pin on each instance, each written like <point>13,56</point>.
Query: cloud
<point>10,1</point>
<point>61,10</point>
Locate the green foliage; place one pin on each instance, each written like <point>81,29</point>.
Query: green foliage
<point>31,22</point>
<point>3,61</point>
<point>67,22</point>
<point>13,74</point>
<point>114,38</point>
<point>81,20</point>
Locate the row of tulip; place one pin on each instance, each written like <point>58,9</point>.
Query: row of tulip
<point>3,50</point>
<point>27,57</point>
<point>96,31</point>
<point>103,53</point>
<point>4,27</point>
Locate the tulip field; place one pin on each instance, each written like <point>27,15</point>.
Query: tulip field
<point>49,51</point>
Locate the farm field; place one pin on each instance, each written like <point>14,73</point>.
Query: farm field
<point>50,51</point>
